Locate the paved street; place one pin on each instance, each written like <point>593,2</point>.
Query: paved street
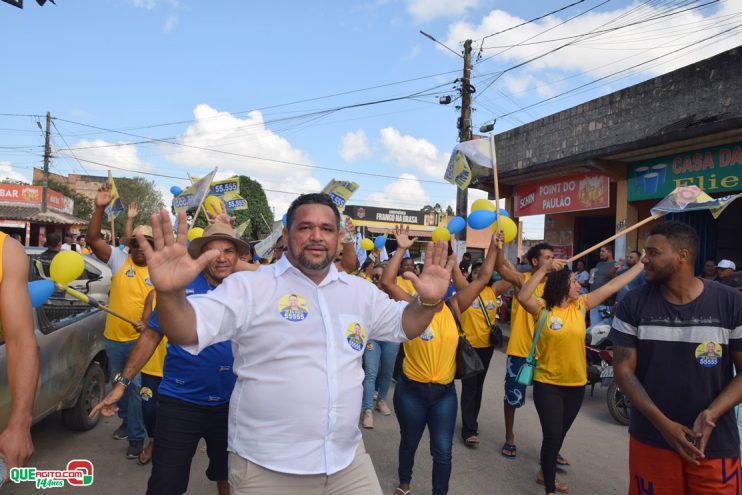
<point>596,446</point>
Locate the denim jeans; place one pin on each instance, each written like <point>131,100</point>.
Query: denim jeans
<point>130,405</point>
<point>378,362</point>
<point>419,404</point>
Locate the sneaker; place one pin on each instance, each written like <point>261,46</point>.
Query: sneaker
<point>135,448</point>
<point>368,419</point>
<point>383,408</point>
<point>121,433</point>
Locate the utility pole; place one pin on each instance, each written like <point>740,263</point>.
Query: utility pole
<point>47,156</point>
<point>464,125</point>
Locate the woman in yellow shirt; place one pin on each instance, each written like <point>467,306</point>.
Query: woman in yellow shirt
<point>476,327</point>
<point>561,370</point>
<point>425,393</point>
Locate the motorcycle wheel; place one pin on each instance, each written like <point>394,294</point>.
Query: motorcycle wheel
<point>618,404</point>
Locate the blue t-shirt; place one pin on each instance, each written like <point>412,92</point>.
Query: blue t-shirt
<point>206,379</point>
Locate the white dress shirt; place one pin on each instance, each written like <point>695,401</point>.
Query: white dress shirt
<point>297,402</point>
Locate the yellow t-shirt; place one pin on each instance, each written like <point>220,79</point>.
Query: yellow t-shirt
<point>521,326</point>
<point>406,285</point>
<point>157,362</point>
<point>129,288</point>
<point>472,320</point>
<point>431,357</point>
<point>561,346</point>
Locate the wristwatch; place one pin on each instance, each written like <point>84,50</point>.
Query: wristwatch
<point>119,378</point>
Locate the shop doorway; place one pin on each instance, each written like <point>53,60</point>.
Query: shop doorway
<point>590,230</point>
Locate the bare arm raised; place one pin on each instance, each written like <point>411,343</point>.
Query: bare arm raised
<point>171,269</point>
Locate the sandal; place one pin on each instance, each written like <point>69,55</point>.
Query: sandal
<point>399,491</point>
<point>145,456</point>
<point>508,451</point>
<point>471,441</point>
<point>560,487</point>
<point>562,463</point>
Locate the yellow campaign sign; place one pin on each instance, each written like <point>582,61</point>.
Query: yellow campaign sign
<point>340,192</point>
<point>461,171</point>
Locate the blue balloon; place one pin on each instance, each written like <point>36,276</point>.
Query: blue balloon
<point>504,213</point>
<point>456,225</point>
<point>283,220</point>
<point>39,291</point>
<point>175,190</point>
<point>481,219</point>
<point>379,242</point>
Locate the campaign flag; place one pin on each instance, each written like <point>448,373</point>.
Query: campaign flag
<point>115,206</point>
<point>469,159</point>
<point>234,202</point>
<point>192,196</point>
<point>692,198</point>
<point>241,228</point>
<point>264,248</point>
<point>340,192</point>
<point>225,187</point>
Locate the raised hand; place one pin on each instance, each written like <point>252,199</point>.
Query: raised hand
<point>433,282</point>
<point>132,211</point>
<point>499,239</point>
<point>220,218</point>
<point>103,196</point>
<point>554,265</point>
<point>402,235</point>
<point>171,268</point>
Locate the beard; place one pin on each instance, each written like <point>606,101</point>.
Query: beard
<point>305,262</point>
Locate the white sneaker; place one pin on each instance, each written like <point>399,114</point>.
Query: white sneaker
<point>383,408</point>
<point>368,419</point>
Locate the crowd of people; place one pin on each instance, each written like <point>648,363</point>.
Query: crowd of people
<point>277,366</point>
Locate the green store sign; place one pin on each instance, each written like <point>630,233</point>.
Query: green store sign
<point>714,170</point>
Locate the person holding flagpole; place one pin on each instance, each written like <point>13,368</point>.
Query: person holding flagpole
<point>130,285</point>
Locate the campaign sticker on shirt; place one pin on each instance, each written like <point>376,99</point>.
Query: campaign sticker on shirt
<point>555,323</point>
<point>148,281</point>
<point>145,393</point>
<point>427,335</point>
<point>708,354</point>
<point>355,334</point>
<point>293,307</point>
<point>491,305</point>
<point>130,272</point>
<point>476,304</point>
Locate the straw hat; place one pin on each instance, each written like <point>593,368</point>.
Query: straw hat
<point>216,232</point>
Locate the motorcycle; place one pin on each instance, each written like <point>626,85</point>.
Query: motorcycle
<point>599,351</point>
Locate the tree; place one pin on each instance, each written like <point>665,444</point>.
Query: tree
<point>436,208</point>
<point>144,193</point>
<point>258,212</point>
<point>83,208</point>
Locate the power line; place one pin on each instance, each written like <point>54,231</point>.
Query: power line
<point>532,20</point>
<point>66,144</point>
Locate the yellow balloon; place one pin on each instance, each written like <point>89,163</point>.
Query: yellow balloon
<point>509,228</point>
<point>367,244</point>
<point>66,266</point>
<point>483,204</point>
<point>195,233</point>
<point>441,234</point>
<point>213,205</point>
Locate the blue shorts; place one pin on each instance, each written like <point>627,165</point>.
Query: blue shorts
<point>515,393</point>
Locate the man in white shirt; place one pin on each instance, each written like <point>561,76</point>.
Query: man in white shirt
<point>293,425</point>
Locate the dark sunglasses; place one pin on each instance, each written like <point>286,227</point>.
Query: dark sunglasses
<point>375,277</point>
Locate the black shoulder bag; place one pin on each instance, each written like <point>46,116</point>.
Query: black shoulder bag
<point>496,338</point>
<point>468,363</point>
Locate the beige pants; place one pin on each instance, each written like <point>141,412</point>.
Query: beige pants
<point>247,478</point>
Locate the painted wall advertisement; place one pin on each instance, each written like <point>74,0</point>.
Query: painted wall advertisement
<point>562,194</point>
<point>714,170</point>
<point>367,215</point>
<point>31,195</point>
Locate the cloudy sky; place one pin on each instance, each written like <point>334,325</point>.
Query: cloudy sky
<point>294,93</point>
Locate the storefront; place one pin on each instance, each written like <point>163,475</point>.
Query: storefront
<point>21,215</point>
<point>717,170</point>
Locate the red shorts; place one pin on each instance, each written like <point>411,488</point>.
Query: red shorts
<point>656,471</point>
